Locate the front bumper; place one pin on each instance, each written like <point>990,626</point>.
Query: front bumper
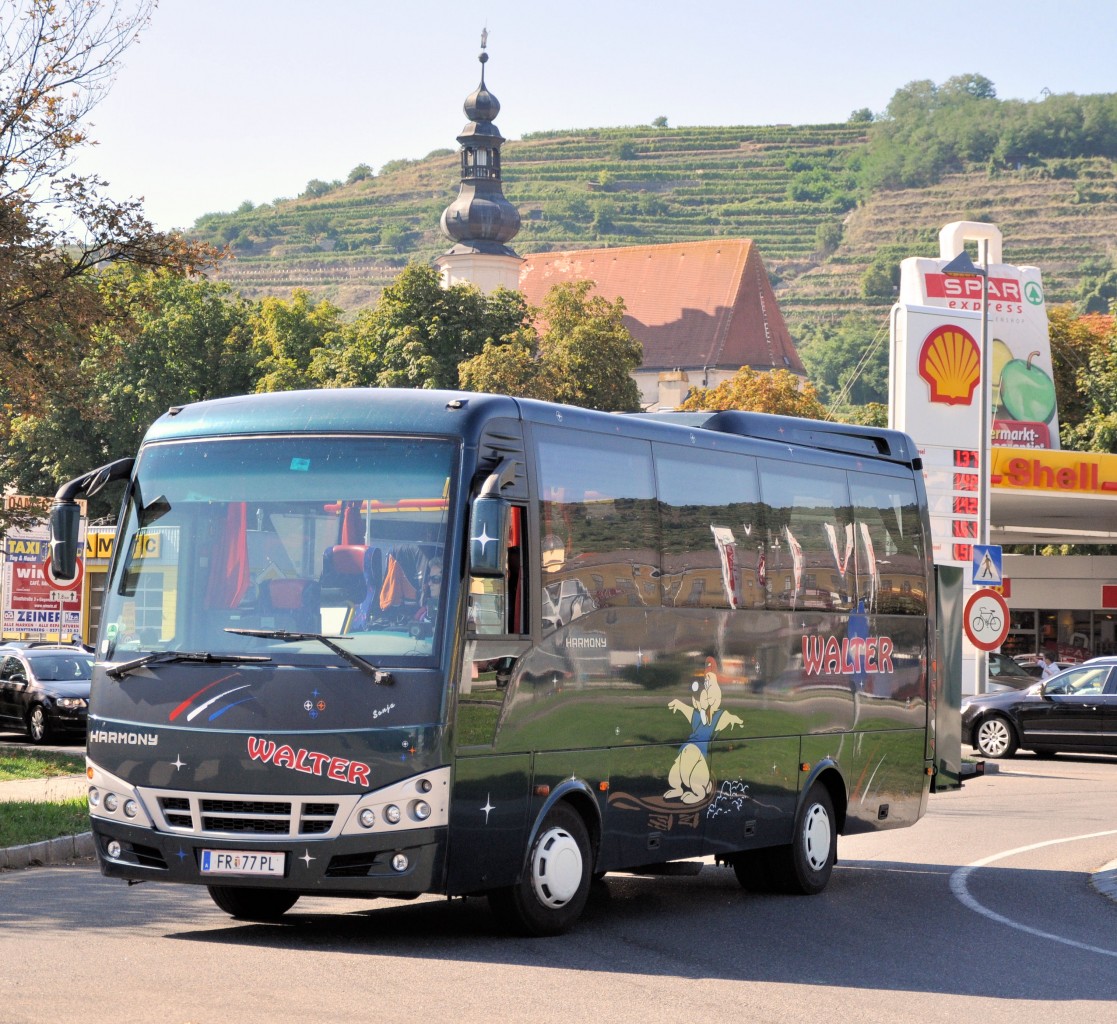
<point>71,720</point>
<point>346,865</point>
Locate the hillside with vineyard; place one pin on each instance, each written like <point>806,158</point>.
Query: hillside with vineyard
<point>830,245</point>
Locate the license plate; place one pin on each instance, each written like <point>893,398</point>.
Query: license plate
<point>241,862</point>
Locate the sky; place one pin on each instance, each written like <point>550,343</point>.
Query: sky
<point>223,101</point>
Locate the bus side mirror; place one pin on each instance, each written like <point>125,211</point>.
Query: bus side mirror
<point>65,518</point>
<point>488,536</point>
<point>65,514</point>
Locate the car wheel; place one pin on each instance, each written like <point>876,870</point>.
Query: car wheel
<point>252,904</point>
<point>552,892</point>
<point>994,737</point>
<point>38,727</point>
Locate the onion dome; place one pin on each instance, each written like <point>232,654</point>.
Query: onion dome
<point>481,219</point>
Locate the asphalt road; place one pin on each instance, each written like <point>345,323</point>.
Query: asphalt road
<point>982,912</point>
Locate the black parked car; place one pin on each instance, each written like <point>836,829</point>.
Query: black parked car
<point>45,689</point>
<point>1074,711</point>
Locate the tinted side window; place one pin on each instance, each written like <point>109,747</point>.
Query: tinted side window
<point>713,539</point>
<point>810,536</point>
<point>599,529</point>
<point>889,552</point>
<point>1084,682</point>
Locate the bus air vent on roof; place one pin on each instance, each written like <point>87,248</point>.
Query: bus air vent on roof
<point>839,437</point>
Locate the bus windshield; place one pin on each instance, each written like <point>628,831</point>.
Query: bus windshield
<point>259,544</point>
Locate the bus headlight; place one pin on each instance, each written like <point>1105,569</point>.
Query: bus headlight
<point>367,818</point>
<point>421,810</point>
<point>392,814</point>
<point>112,801</point>
<point>130,808</point>
<point>399,862</point>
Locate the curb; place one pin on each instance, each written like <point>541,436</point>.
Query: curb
<point>63,850</point>
<point>1104,880</point>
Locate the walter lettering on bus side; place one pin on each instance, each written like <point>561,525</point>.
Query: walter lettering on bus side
<point>848,656</point>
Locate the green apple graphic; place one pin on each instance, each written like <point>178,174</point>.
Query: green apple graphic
<point>1027,392</point>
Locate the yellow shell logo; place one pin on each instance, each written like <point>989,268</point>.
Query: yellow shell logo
<point>950,362</point>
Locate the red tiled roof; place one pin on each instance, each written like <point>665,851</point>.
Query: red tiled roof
<point>691,304</point>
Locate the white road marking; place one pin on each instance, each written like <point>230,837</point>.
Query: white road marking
<point>960,877</point>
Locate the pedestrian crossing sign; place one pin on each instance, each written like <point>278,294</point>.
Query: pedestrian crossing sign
<point>987,570</point>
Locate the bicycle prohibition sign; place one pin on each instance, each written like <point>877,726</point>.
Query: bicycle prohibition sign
<point>985,619</point>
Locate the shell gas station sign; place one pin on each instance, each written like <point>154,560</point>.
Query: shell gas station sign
<point>935,380</point>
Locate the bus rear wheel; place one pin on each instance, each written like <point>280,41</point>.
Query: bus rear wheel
<point>804,867</point>
<point>551,894</point>
<point>252,904</point>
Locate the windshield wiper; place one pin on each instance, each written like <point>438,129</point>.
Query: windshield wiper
<point>379,677</point>
<point>156,656</point>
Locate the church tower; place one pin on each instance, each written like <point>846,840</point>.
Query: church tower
<point>481,221</point>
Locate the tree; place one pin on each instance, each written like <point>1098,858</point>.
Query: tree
<point>828,236</point>
<point>659,122</point>
<point>57,59</point>
<point>291,341</point>
<point>510,367</point>
<point>588,353</point>
<point>584,357</point>
<point>359,173</point>
<point>316,188</point>
<point>418,332</point>
<point>1097,288</point>
<point>1085,377</point>
<point>848,364</point>
<point>774,391</point>
<point>188,341</point>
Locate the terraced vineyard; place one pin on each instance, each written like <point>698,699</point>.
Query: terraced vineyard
<point>641,186</point>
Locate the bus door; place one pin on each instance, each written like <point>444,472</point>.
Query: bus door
<point>489,810</point>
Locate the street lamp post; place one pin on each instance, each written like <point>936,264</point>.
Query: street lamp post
<point>963,266</point>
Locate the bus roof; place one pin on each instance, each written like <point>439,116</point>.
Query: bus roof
<point>463,414</point>
<point>335,411</point>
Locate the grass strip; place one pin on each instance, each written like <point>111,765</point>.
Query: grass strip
<point>23,822</point>
<point>16,763</point>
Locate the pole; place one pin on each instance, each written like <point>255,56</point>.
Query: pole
<point>983,438</point>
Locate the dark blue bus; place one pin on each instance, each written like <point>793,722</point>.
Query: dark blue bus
<point>386,643</point>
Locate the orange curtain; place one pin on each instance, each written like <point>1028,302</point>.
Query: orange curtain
<point>397,587</point>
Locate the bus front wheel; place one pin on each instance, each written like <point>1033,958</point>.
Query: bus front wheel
<point>552,892</point>
<point>252,904</point>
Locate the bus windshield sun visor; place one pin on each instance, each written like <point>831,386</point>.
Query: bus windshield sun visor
<point>116,671</point>
<point>380,677</point>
